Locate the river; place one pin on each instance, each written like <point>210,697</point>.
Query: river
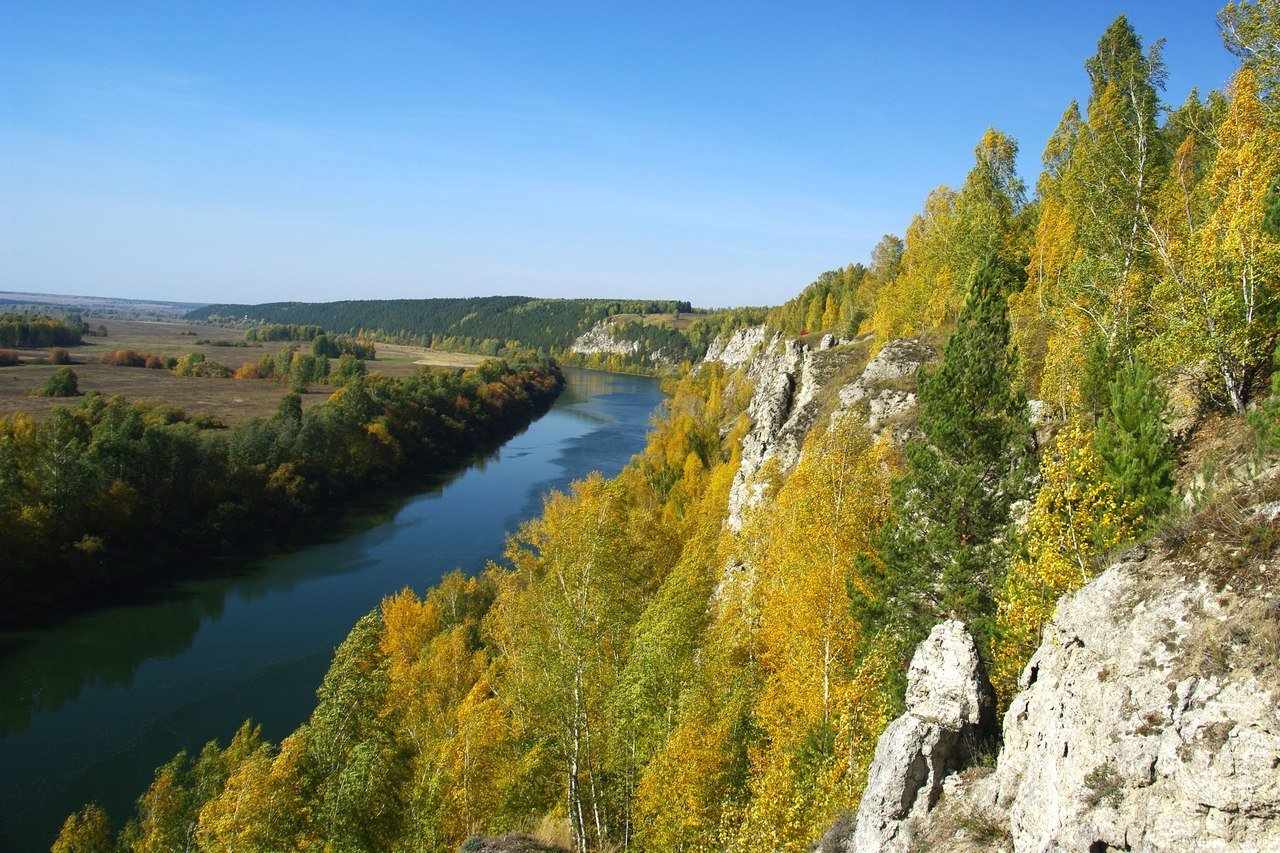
<point>92,705</point>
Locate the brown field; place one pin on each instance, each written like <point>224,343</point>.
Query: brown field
<point>671,321</point>
<point>229,400</point>
<point>401,360</point>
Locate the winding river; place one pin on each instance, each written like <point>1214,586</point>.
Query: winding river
<point>91,706</point>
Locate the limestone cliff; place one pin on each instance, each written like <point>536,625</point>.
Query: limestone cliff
<point>1148,719</point>
<point>793,383</point>
<point>600,340</point>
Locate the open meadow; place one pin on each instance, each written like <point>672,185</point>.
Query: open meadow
<point>228,400</point>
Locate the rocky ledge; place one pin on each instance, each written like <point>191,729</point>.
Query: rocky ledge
<point>1148,719</point>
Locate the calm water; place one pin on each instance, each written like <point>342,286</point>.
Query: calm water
<point>90,707</point>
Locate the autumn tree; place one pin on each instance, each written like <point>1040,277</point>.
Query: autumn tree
<point>804,548</point>
<point>1251,30</point>
<point>86,831</point>
<point>1217,298</point>
<point>563,619</point>
<point>1109,180</point>
<point>1075,522</point>
<point>947,242</point>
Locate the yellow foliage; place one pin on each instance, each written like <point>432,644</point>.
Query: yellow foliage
<point>804,548</point>
<point>1075,522</point>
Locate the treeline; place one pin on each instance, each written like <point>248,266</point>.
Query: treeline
<point>283,332</point>
<point>642,676</point>
<point>29,331</point>
<point>88,489</point>
<point>833,303</point>
<point>486,324</point>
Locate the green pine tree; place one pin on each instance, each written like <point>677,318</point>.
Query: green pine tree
<point>963,475</point>
<point>1132,442</point>
<point>1271,203</point>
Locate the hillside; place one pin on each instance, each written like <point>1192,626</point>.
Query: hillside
<point>1145,720</point>
<point>485,324</point>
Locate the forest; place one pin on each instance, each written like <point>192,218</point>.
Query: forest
<point>39,330</point>
<point>636,673</point>
<point>87,489</point>
<point>489,325</point>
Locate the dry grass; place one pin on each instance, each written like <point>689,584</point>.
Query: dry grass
<point>403,360</point>
<point>549,835</point>
<point>228,400</point>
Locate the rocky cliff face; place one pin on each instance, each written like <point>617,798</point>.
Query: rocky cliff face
<point>599,340</point>
<point>792,385</point>
<point>1149,719</point>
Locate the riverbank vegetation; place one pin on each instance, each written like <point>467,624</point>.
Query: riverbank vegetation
<point>90,488</point>
<point>638,673</point>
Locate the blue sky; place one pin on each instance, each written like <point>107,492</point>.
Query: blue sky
<point>721,153</point>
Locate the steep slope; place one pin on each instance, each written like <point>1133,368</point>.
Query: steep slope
<point>793,383</point>
<point>1148,719</point>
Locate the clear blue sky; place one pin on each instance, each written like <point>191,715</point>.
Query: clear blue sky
<point>722,153</point>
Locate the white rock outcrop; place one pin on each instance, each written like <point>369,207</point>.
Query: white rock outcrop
<point>949,706</point>
<point>877,385</point>
<point>599,340</point>
<point>790,379</point>
<point>1148,719</point>
<point>738,348</point>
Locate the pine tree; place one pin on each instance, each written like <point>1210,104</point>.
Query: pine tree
<point>966,471</point>
<point>1271,209</point>
<point>1133,444</point>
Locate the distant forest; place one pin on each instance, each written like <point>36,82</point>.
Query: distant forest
<point>484,324</point>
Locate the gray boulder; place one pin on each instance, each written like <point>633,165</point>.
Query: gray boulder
<point>949,707</point>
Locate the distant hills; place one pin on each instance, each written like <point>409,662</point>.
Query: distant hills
<point>484,324</point>
<point>99,306</point>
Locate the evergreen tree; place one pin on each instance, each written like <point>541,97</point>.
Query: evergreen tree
<point>965,472</point>
<point>1133,444</point>
<point>1271,209</point>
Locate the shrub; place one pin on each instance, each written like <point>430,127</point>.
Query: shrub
<point>58,355</point>
<point>63,383</point>
<point>984,828</point>
<point>8,358</point>
<point>124,358</point>
<point>195,364</point>
<point>1104,785</point>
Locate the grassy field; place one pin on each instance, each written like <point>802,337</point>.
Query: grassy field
<point>670,321</point>
<point>229,400</point>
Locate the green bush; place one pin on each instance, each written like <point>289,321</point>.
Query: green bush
<point>63,383</point>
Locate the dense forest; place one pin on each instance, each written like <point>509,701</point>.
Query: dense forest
<point>89,488</point>
<point>490,325</point>
<point>39,330</point>
<point>636,673</point>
